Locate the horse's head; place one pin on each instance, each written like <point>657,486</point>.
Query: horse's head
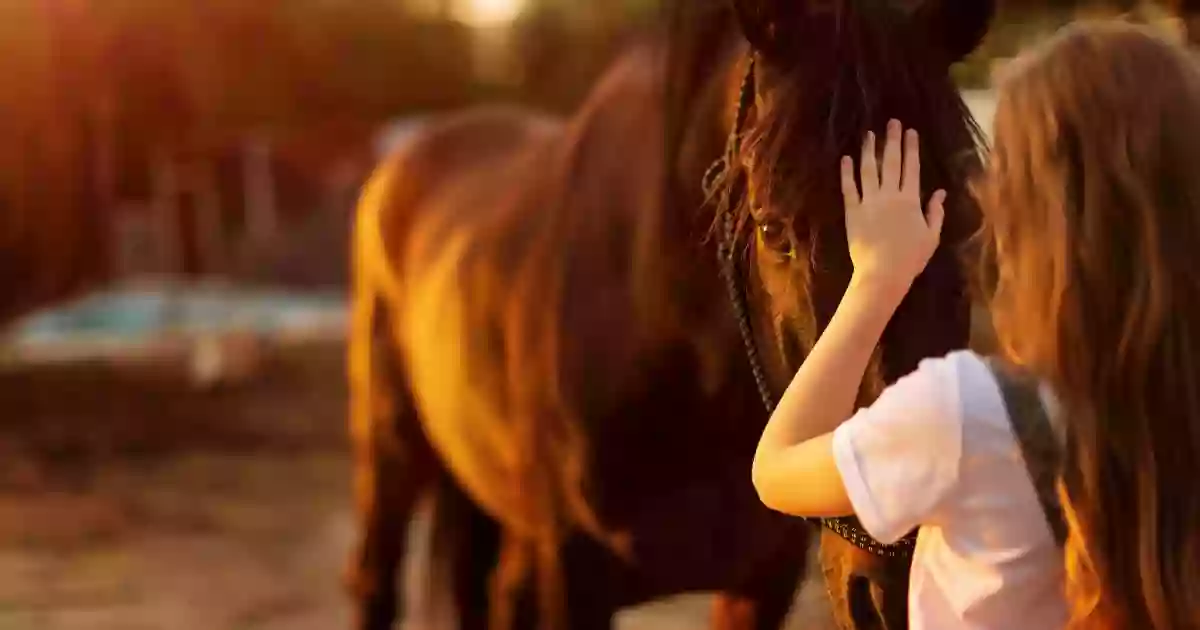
<point>786,31</point>
<point>825,72</point>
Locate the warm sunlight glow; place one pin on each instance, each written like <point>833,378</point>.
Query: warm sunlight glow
<point>488,12</point>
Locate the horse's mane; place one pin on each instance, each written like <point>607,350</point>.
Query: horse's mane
<point>623,185</point>
<point>702,39</point>
<point>576,227</point>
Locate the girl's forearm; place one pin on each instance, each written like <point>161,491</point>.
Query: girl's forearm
<point>822,394</point>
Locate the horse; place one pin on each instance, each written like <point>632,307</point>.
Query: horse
<point>540,337</point>
<point>781,227</point>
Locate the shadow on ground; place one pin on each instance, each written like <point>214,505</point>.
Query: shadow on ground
<point>130,502</point>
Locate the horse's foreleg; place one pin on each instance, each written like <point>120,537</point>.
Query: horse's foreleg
<point>733,612</point>
<point>766,609</point>
<point>594,578</point>
<point>865,590</point>
<point>764,601</point>
<point>597,584</point>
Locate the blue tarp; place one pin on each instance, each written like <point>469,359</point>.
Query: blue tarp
<point>140,314</point>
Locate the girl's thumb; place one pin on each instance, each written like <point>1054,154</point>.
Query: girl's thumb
<point>937,212</point>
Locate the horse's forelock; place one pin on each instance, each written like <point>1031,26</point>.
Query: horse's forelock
<point>820,110</point>
<point>783,29</point>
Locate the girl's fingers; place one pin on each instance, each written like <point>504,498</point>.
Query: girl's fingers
<point>937,212</point>
<point>849,187</point>
<point>870,170</point>
<point>890,179</point>
<point>912,163</point>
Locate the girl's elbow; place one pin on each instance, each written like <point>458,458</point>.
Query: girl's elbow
<point>761,478</point>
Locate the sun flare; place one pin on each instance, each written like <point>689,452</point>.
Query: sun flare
<point>488,12</point>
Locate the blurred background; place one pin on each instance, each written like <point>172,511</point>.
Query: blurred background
<point>177,184</point>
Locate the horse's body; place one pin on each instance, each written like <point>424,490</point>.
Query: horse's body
<point>533,309</point>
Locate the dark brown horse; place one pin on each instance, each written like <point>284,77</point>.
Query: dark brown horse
<point>541,338</point>
<point>823,73</point>
<point>534,309</point>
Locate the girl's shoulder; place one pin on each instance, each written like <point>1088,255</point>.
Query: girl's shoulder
<point>905,455</point>
<point>964,390</point>
<point>987,429</point>
<point>950,405</point>
<point>956,380</point>
<point>957,365</point>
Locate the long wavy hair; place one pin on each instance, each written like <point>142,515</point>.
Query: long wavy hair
<point>1091,203</point>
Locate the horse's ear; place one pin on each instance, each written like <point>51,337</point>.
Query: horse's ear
<point>958,26</point>
<point>759,22</point>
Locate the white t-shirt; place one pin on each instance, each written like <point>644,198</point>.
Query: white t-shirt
<point>937,451</point>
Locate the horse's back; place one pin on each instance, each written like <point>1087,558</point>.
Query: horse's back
<point>464,154</point>
<point>453,143</point>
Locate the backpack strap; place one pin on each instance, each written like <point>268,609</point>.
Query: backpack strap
<point>1035,436</point>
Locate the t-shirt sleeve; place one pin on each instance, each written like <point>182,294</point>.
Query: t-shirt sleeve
<point>900,457</point>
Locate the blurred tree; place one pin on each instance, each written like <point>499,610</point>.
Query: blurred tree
<point>94,87</point>
<point>215,68</point>
<point>1019,22</point>
<point>178,75</point>
<point>564,44</point>
<point>46,247</point>
<point>1189,12</point>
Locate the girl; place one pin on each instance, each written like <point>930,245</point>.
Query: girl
<point>1092,216</point>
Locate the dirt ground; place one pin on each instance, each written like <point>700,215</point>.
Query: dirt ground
<point>129,503</point>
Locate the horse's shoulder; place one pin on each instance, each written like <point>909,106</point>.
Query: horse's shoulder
<point>445,146</point>
<point>452,168</point>
<point>482,131</point>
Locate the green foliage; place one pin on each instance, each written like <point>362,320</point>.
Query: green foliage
<point>225,65</point>
<point>1021,22</point>
<point>1013,28</point>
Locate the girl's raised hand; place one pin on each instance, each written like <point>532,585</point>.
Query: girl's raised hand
<point>890,239</point>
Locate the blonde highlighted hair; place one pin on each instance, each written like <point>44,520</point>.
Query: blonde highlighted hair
<point>1091,203</point>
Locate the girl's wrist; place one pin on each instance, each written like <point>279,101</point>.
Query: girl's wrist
<point>879,289</point>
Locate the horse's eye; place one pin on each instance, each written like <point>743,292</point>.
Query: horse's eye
<point>774,236</point>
